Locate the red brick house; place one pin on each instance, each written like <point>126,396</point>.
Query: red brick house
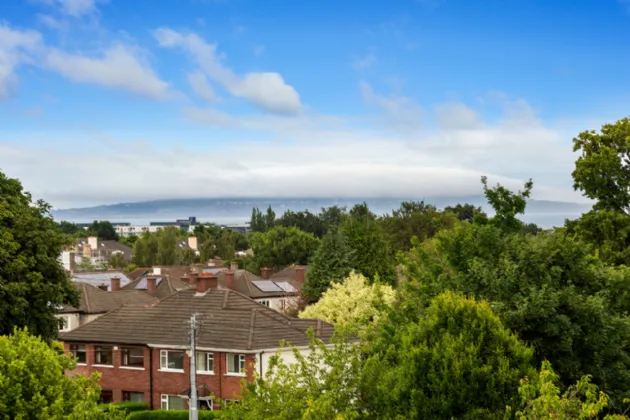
<point>142,352</point>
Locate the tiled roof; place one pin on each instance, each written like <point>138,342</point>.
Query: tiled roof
<point>93,300</point>
<point>243,283</point>
<point>166,285</point>
<point>138,272</point>
<point>96,278</point>
<point>228,320</point>
<point>288,273</point>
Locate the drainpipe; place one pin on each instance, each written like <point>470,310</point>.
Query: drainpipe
<point>261,363</point>
<point>151,377</point>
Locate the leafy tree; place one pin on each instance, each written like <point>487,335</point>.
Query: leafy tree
<point>453,359</point>
<point>280,247</point>
<point>550,289</point>
<point>414,219</point>
<point>129,240</point>
<point>32,281</point>
<point>117,261</point>
<point>33,384</point>
<point>609,232</point>
<point>332,216</point>
<point>167,246</point>
<point>270,218</point>
<point>372,256</point>
<point>226,245</point>
<point>262,222</point>
<point>467,212</point>
<point>333,261</point>
<point>69,228</point>
<point>351,304</point>
<point>602,171</point>
<point>507,205</point>
<point>207,239</point>
<point>320,385</point>
<point>86,265</point>
<point>542,399</point>
<point>186,256</point>
<point>303,220</point>
<point>103,230</point>
<point>145,250</point>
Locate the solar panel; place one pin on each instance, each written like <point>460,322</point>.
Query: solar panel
<point>286,286</point>
<point>266,286</point>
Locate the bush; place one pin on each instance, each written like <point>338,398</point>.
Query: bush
<point>171,415</point>
<point>131,406</point>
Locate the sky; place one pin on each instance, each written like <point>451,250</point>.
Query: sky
<point>108,101</point>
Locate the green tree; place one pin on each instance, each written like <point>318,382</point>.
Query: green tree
<point>609,232</point>
<point>86,265</point>
<point>453,359</point>
<point>103,230</point>
<point>280,247</point>
<point>467,212</point>
<point>69,228</point>
<point>602,171</point>
<point>32,281</point>
<point>320,385</point>
<point>130,240</point>
<point>372,257</point>
<point>332,216</point>
<point>226,245</point>
<point>33,385</point>
<point>270,218</point>
<point>167,246</point>
<point>507,204</point>
<point>145,250</point>
<point>332,262</point>
<point>117,261</point>
<point>303,220</point>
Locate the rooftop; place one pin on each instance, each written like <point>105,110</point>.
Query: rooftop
<point>93,300</point>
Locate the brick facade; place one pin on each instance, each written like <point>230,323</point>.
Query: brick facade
<point>154,382</point>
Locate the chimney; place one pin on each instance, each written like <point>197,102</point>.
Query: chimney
<point>103,286</point>
<point>193,279</point>
<point>115,284</point>
<point>87,250</point>
<point>299,275</point>
<point>192,242</point>
<point>265,273</point>
<point>72,263</point>
<point>93,242</point>
<point>152,285</point>
<point>229,279</point>
<point>185,279</point>
<point>206,281</point>
<point>234,265</point>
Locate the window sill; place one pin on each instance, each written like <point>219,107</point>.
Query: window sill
<point>171,370</point>
<point>240,375</point>
<point>81,364</point>
<point>131,368</point>
<point>205,372</point>
<point>105,366</point>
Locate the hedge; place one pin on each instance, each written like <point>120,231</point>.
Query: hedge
<point>171,415</point>
<point>127,406</point>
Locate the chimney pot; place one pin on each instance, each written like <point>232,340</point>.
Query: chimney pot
<point>299,275</point>
<point>115,285</point>
<point>206,281</point>
<point>152,285</point>
<point>265,273</point>
<point>229,279</point>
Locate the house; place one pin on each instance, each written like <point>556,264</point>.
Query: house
<point>96,251</point>
<point>142,351</point>
<point>161,282</point>
<point>100,278</point>
<point>95,301</point>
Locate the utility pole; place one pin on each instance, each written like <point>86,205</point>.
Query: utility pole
<point>193,413</point>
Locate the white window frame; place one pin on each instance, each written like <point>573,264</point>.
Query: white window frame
<point>111,352</point>
<point>164,401</point>
<point>79,348</point>
<point>242,364</point>
<point>265,302</point>
<point>164,356</point>
<point>209,356</point>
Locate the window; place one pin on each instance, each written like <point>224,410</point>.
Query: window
<point>172,402</point>
<point>106,397</point>
<point>236,364</point>
<point>133,357</point>
<point>79,353</point>
<point>205,362</point>
<point>171,360</point>
<point>264,302</point>
<point>64,323</point>
<point>133,396</point>
<point>205,405</point>
<point>103,355</point>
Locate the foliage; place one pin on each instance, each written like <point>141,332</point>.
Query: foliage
<point>371,253</point>
<point>507,204</point>
<point>352,304</point>
<point>280,247</point>
<point>319,385</point>
<point>162,248</point>
<point>117,260</point>
<point>602,170</point>
<point>332,261</point>
<point>131,406</point>
<point>172,415</point>
<point>467,212</point>
<point>33,384</point>
<point>453,359</point>
<point>32,280</point>
<point>550,289</point>
<point>260,222</point>
<point>129,240</point>
<point>69,228</point>
<point>86,265</point>
<point>303,220</point>
<point>102,229</point>
<point>332,216</point>
<point>542,399</point>
<point>414,219</point>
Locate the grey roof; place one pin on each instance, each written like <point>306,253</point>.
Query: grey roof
<point>96,278</point>
<point>245,283</point>
<point>166,285</point>
<point>228,320</point>
<point>93,300</point>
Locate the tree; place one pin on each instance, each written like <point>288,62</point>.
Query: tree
<point>262,222</point>
<point>371,253</point>
<point>69,228</point>
<point>332,216</point>
<point>86,265</point>
<point>32,281</point>
<point>280,247</point>
<point>270,218</point>
<point>33,384</point>
<point>103,230</point>
<point>453,359</point>
<point>607,230</point>
<point>467,212</point>
<point>129,240</point>
<point>303,220</point>
<point>167,246</point>
<point>352,303</point>
<point>507,205</point>
<point>333,261</point>
<point>320,385</point>
<point>602,171</point>
<point>542,399</point>
<point>117,261</point>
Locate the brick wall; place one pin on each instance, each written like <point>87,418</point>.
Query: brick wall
<point>120,378</point>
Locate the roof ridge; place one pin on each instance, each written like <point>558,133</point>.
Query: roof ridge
<point>87,299</point>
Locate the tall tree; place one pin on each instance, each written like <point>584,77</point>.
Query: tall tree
<point>167,246</point>
<point>333,261</point>
<point>270,218</point>
<point>258,223</point>
<point>507,204</point>
<point>280,247</point>
<point>104,230</point>
<point>467,212</point>
<point>33,284</point>
<point>332,216</point>
<point>69,228</point>
<point>303,220</point>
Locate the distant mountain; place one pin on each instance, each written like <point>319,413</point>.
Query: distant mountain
<point>226,210</point>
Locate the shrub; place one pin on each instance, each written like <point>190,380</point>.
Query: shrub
<point>171,415</point>
<point>131,406</point>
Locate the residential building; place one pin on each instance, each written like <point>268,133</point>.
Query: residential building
<point>100,278</point>
<point>143,353</point>
<point>97,252</point>
<point>152,227</point>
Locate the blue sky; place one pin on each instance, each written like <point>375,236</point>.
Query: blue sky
<point>103,101</point>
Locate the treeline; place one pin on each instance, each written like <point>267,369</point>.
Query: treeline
<point>102,229</point>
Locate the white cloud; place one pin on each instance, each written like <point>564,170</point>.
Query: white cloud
<point>118,67</point>
<point>266,90</point>
<point>456,115</point>
<point>15,48</point>
<point>365,61</point>
<point>75,8</point>
<point>52,23</point>
<point>199,84</point>
<point>398,111</point>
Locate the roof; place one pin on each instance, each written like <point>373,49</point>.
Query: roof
<point>109,246</point>
<point>96,278</point>
<point>93,300</point>
<point>227,320</point>
<point>244,282</point>
<point>288,273</point>
<point>138,272</point>
<point>166,285</point>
